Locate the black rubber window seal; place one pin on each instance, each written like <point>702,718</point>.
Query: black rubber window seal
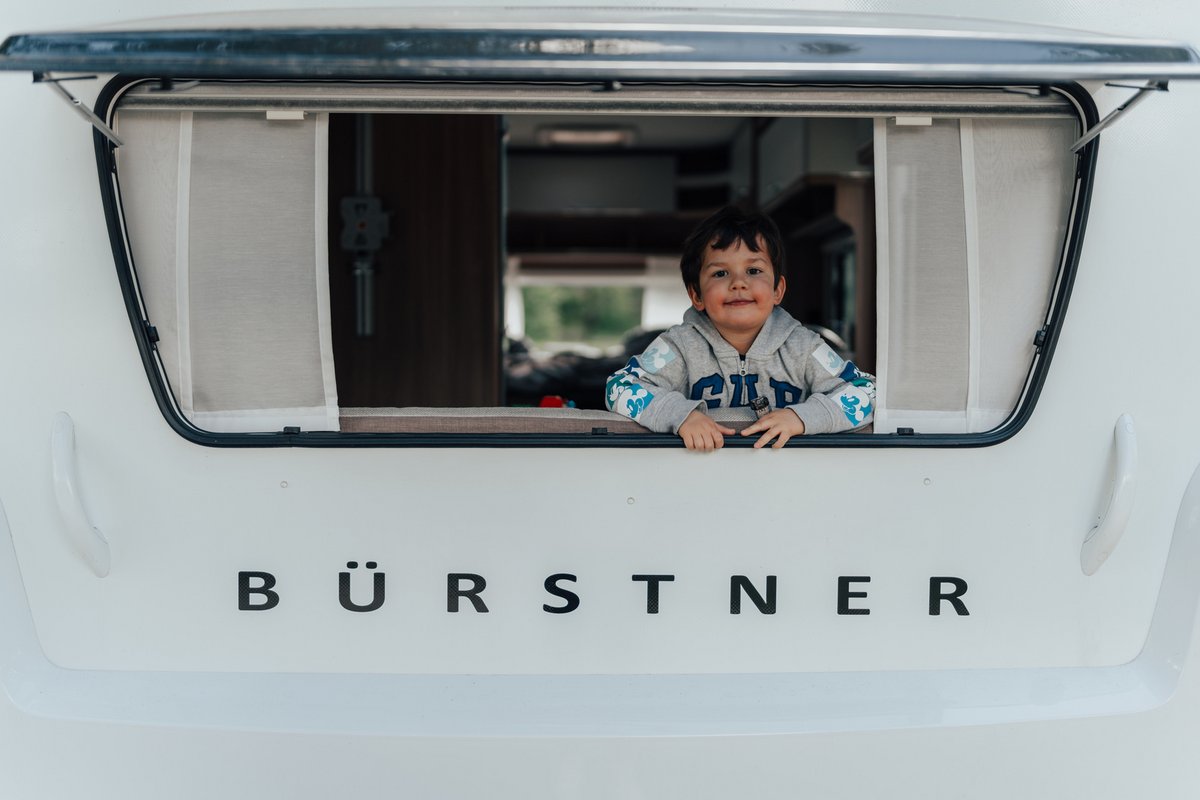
<point>135,306</point>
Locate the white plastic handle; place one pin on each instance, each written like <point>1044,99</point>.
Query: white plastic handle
<point>1102,539</point>
<point>85,537</point>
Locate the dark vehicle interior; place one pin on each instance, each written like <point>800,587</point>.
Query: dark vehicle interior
<point>518,260</point>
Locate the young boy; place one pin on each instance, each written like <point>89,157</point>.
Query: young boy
<point>737,348</point>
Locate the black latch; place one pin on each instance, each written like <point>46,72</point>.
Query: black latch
<point>599,431</point>
<point>151,332</point>
<point>1039,338</point>
<point>292,429</point>
<point>905,432</point>
<point>364,224</point>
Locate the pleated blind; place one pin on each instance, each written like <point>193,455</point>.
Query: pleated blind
<point>227,221</point>
<point>971,217</point>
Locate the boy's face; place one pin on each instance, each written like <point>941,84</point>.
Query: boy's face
<point>737,289</point>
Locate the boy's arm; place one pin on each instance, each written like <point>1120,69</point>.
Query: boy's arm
<point>648,389</point>
<point>843,396</point>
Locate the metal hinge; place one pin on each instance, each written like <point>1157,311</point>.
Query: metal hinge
<point>1119,111</point>
<point>75,103</point>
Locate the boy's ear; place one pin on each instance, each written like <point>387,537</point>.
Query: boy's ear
<point>780,289</point>
<point>697,302</point>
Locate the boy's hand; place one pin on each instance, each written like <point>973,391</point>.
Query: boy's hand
<point>700,432</point>
<point>783,423</point>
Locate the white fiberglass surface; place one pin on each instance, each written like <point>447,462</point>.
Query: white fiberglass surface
<point>1009,520</point>
<point>599,704</point>
<point>190,560</point>
<point>186,521</point>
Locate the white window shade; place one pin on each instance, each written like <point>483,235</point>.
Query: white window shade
<point>227,219</point>
<point>971,222</point>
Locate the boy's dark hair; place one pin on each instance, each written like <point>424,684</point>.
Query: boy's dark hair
<point>721,230</point>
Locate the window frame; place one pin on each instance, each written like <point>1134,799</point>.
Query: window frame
<point>145,336</point>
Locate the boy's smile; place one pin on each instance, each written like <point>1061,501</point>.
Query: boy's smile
<point>737,291</point>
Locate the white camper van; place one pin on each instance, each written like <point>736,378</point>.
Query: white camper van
<point>308,487</point>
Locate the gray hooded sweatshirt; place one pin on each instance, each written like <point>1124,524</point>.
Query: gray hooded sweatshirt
<point>691,366</point>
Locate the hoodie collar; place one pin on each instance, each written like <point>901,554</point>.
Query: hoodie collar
<point>774,333</point>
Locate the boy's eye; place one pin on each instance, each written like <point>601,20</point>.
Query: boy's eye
<point>755,270</point>
<point>719,273</point>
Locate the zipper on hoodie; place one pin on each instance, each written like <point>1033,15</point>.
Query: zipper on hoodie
<point>741,365</point>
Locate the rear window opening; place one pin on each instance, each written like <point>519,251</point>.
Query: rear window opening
<point>594,231</point>
<point>365,260</point>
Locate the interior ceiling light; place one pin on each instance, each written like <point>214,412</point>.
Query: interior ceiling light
<point>585,136</point>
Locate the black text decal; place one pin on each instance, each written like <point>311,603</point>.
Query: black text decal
<point>265,588</point>
<point>377,593</point>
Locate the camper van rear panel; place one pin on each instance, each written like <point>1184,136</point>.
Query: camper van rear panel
<point>247,549</point>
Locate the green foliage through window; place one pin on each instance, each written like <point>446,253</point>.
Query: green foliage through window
<point>594,315</point>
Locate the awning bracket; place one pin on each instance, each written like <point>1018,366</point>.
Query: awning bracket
<point>75,103</point>
<point>1141,93</point>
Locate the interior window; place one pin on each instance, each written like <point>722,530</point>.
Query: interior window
<point>564,339</point>
<point>304,269</point>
